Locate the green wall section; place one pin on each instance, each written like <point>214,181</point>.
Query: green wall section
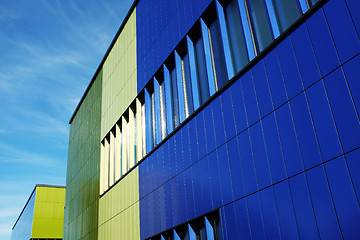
<point>87,216</point>
<point>82,180</point>
<point>119,76</point>
<point>119,212</point>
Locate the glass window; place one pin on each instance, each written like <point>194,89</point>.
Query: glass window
<point>180,86</point>
<point>260,23</point>
<point>149,122</point>
<point>174,92</point>
<point>193,73</point>
<point>286,12</point>
<point>208,58</point>
<point>157,108</point>
<point>143,126</point>
<point>168,100</point>
<point>239,52</point>
<point>313,2</point>
<point>201,68</point>
<point>186,78</point>
<point>162,109</point>
<point>118,147</point>
<point>217,52</point>
<point>134,132</point>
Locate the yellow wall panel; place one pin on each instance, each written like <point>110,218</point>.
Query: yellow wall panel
<point>119,88</point>
<point>48,217</point>
<point>119,213</point>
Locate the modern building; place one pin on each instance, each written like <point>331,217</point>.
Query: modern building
<point>221,119</point>
<point>42,216</point>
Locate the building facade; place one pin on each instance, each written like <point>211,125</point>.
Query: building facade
<point>223,119</point>
<point>42,216</point>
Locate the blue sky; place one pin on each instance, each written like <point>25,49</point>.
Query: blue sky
<point>49,51</point>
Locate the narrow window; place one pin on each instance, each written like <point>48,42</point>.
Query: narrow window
<point>128,144</point>
<point>157,113</point>
<point>160,78</point>
<point>124,158</point>
<point>260,23</point>
<point>286,12</point>
<point>186,78</point>
<point>208,57</point>
<point>135,136</point>
<point>193,73</point>
<point>168,100</point>
<point>143,127</point>
<point>173,75</point>
<point>200,64</point>
<point>149,121</point>
<point>237,40</point>
<point>118,147</point>
<point>180,86</point>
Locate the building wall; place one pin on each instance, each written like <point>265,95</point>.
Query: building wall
<point>272,153</point>
<point>23,226</point>
<point>119,85</point>
<point>277,151</point>
<point>83,170</point>
<point>48,220</point>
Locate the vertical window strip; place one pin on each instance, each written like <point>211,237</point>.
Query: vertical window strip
<point>139,131</point>
<point>157,111</point>
<point>143,125</point>
<point>131,137</point>
<point>180,86</point>
<point>217,53</point>
<point>248,31</point>
<point>225,40</point>
<point>237,40</point>
<point>149,124</point>
<point>162,109</point>
<point>118,152</point>
<point>106,165</point>
<point>153,119</point>
<point>201,67</point>
<point>208,57</point>
<point>260,23</point>
<point>115,155</point>
<point>187,83</point>
<point>128,146</point>
<point>186,101</point>
<point>305,6</point>
<point>193,73</point>
<point>124,145</point>
<point>102,160</point>
<point>135,135</point>
<point>175,98</point>
<point>168,100</point>
<point>111,159</point>
<point>272,17</point>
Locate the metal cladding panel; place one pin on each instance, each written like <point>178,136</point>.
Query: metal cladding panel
<point>23,227</point>
<point>119,209</point>
<point>119,85</point>
<point>48,221</point>
<point>83,170</point>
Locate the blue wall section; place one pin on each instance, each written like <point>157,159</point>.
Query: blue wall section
<point>278,151</point>
<point>160,25</point>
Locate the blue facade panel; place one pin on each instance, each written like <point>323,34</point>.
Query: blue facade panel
<point>277,151</point>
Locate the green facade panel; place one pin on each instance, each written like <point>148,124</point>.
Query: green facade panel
<point>82,181</point>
